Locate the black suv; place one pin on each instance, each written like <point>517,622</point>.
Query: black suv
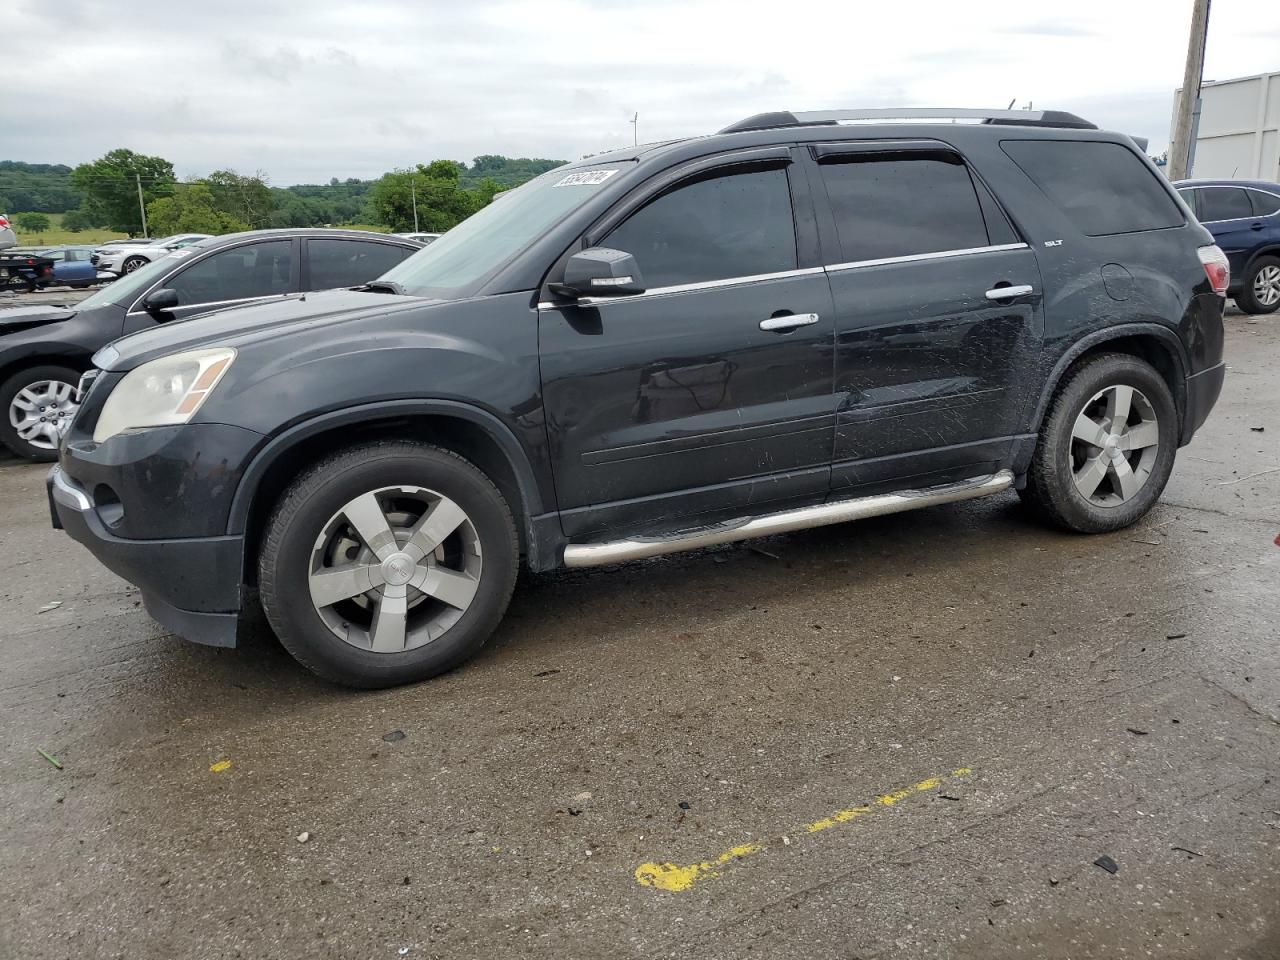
<point>794,322</point>
<point>44,348</point>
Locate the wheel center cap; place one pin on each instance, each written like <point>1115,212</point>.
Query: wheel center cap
<point>1111,445</point>
<point>397,569</point>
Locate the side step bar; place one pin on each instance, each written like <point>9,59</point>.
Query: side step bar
<point>819,515</point>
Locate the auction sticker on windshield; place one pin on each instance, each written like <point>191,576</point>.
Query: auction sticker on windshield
<point>586,178</point>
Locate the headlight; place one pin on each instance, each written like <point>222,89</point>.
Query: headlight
<point>165,391</point>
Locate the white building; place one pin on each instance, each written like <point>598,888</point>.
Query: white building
<point>1239,135</point>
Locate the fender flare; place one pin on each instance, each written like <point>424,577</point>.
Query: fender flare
<point>282,443</point>
<point>1084,344</point>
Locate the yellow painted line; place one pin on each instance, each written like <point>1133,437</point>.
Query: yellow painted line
<point>220,766</point>
<point>676,878</point>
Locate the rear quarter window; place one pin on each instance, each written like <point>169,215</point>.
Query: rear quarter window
<point>1103,188</point>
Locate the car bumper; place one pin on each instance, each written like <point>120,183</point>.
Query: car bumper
<point>1203,389</point>
<point>191,586</point>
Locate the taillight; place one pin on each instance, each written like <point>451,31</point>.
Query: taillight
<point>1216,268</point>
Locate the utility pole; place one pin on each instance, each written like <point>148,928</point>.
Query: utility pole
<point>413,193</point>
<point>142,207</point>
<point>635,129</point>
<point>1182,149</point>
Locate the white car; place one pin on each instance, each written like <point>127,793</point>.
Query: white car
<point>422,238</point>
<point>126,258</point>
<point>7,237</point>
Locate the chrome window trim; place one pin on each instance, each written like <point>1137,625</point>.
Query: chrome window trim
<point>1227,186</point>
<point>685,288</point>
<point>213,303</point>
<point>937,255</point>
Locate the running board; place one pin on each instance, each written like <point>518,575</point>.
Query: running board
<point>598,554</point>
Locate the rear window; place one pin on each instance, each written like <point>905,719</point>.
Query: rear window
<point>1103,188</point>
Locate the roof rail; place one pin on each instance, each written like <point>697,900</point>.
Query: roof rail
<point>806,118</point>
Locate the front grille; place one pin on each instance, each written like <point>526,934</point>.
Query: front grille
<point>94,258</point>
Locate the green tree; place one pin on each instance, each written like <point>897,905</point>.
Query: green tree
<point>110,187</point>
<point>248,199</point>
<point>32,222</point>
<point>441,203</point>
<point>76,220</point>
<point>191,209</point>
<point>5,205</point>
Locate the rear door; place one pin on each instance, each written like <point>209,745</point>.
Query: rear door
<point>1228,213</point>
<point>245,273</point>
<point>685,404</point>
<point>931,355</point>
<point>335,262</point>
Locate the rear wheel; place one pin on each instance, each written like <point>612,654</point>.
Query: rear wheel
<point>1260,286</point>
<point>38,404</point>
<point>388,563</point>
<point>1106,447</point>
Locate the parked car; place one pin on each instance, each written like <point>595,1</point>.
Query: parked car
<point>45,349</point>
<point>1244,218</point>
<point>72,267</point>
<point>121,257</point>
<point>792,323</point>
<point>7,237</point>
<point>422,238</point>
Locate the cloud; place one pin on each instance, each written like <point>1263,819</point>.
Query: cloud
<point>332,88</point>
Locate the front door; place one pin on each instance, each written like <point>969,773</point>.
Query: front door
<point>232,277</point>
<point>686,404</point>
<point>934,364</point>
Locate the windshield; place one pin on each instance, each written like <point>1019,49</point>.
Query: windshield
<point>130,285</point>
<point>454,265</point>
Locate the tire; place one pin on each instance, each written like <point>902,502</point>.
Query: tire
<point>1260,286</point>
<point>133,263</point>
<point>1064,465</point>
<point>311,531</point>
<point>16,395</point>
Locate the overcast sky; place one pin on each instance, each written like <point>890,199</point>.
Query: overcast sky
<point>308,89</point>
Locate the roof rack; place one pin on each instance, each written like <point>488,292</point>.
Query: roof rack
<point>807,118</point>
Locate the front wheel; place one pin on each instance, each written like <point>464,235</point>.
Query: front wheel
<point>388,563</point>
<point>38,404</point>
<point>1106,446</point>
<point>133,263</point>
<point>1260,286</point>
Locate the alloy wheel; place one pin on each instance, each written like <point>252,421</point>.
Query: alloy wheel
<point>41,411</point>
<point>395,568</point>
<point>1114,445</point>
<point>1266,285</point>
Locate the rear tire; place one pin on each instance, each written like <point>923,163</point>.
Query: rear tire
<point>26,429</point>
<point>1089,473</point>
<point>429,600</point>
<point>1260,286</point>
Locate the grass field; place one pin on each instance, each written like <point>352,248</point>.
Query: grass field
<point>55,236</point>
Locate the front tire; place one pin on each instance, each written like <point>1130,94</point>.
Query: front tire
<point>133,263</point>
<point>1106,446</point>
<point>1260,286</point>
<point>388,563</point>
<point>36,404</point>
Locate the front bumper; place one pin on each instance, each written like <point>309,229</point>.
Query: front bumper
<point>191,586</point>
<point>1203,390</point>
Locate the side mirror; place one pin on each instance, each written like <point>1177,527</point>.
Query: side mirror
<point>161,300</point>
<point>600,272</point>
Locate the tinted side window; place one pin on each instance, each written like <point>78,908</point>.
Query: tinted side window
<point>903,206</point>
<point>720,226</point>
<point>1264,204</point>
<point>253,270</point>
<point>1103,188</point>
<point>1189,198</point>
<point>1224,203</point>
<point>348,263</point>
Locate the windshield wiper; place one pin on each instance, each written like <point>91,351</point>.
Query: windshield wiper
<point>385,286</point>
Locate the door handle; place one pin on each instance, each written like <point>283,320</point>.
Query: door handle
<point>1008,293</point>
<point>789,321</point>
<point>1256,226</point>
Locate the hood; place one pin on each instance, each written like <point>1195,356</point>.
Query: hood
<point>22,318</point>
<point>241,326</point>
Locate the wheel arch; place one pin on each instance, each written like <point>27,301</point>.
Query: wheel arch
<point>1156,344</point>
<point>474,433</point>
<point>1268,250</point>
